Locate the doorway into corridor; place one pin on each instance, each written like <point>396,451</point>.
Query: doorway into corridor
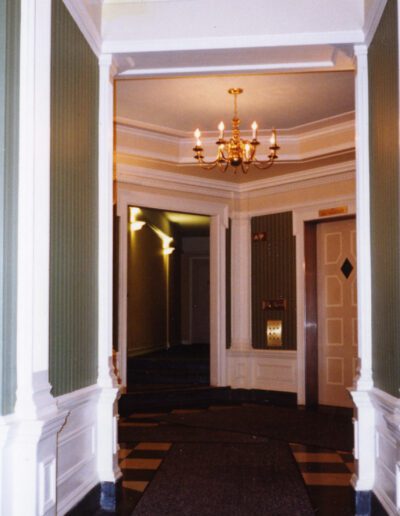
<point>168,301</point>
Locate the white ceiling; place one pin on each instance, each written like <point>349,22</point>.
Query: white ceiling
<point>274,100</point>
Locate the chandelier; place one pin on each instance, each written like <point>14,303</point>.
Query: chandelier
<point>236,152</point>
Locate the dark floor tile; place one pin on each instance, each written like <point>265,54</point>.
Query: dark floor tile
<point>146,454</point>
<point>332,500</point>
<point>323,467</point>
<point>138,474</point>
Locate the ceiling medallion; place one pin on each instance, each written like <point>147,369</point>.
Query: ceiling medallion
<point>236,152</point>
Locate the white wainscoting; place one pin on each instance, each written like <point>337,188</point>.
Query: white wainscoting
<point>387,450</point>
<point>76,447</point>
<point>263,369</point>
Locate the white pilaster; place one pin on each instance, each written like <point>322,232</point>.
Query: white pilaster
<point>218,229</point>
<point>107,461</point>
<point>241,282</point>
<point>364,420</point>
<point>30,449</point>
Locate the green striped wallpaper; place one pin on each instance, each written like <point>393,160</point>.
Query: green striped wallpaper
<point>9,113</point>
<point>384,182</point>
<point>273,276</point>
<point>73,207</point>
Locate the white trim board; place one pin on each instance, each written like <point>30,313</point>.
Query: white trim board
<point>171,180</point>
<point>218,211</point>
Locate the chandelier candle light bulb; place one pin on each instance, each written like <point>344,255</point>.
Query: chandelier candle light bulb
<point>236,152</point>
<point>221,128</point>
<point>254,127</point>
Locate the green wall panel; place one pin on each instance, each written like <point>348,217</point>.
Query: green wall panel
<point>74,201</point>
<point>273,276</point>
<point>385,256</point>
<point>9,100</point>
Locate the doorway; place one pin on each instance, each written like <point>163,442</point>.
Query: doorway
<point>331,311</point>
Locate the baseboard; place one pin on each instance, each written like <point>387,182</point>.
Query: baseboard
<point>89,504</point>
<point>367,504</point>
<point>104,495</point>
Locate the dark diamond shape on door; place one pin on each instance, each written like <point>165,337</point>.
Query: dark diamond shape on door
<point>346,268</point>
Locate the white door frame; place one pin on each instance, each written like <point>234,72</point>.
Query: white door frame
<point>218,212</point>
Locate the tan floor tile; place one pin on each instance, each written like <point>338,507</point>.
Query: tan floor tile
<point>136,485</point>
<point>124,452</point>
<point>317,457</point>
<point>145,425</point>
<point>327,479</point>
<point>140,463</point>
<point>153,446</point>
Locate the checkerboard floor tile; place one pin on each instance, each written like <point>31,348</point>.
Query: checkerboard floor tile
<point>139,463</point>
<point>327,475</point>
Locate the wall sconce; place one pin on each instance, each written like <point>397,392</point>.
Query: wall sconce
<point>135,225</point>
<point>166,247</point>
<point>168,250</point>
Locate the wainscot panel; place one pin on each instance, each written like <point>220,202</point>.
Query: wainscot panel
<point>387,453</point>
<point>76,456</point>
<point>263,369</point>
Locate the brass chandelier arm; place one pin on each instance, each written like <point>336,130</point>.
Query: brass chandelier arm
<point>263,165</point>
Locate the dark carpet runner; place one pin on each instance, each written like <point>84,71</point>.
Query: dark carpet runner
<point>210,479</point>
<point>327,430</point>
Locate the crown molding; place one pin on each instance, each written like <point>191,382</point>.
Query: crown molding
<point>227,69</point>
<point>322,132</point>
<point>79,13</point>
<point>212,43</point>
<point>226,189</point>
<point>372,20</point>
<point>140,127</point>
<point>314,177</point>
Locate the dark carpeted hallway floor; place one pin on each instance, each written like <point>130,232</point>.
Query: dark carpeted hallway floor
<point>236,460</point>
<point>187,449</point>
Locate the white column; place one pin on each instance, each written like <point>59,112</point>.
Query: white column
<point>32,437</point>
<point>241,282</point>
<point>122,207</point>
<point>218,226</point>
<point>107,462</point>
<point>364,427</point>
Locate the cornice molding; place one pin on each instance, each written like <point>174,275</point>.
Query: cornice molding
<point>226,189</point>
<point>325,134</point>
<point>211,43</point>
<point>85,23</point>
<point>372,20</point>
<point>206,70</point>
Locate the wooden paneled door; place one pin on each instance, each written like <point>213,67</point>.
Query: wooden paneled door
<point>337,311</point>
<point>200,300</point>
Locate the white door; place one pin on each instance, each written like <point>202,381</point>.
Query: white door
<point>337,311</point>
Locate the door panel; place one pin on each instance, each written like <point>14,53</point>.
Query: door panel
<point>337,311</point>
<point>200,327</point>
